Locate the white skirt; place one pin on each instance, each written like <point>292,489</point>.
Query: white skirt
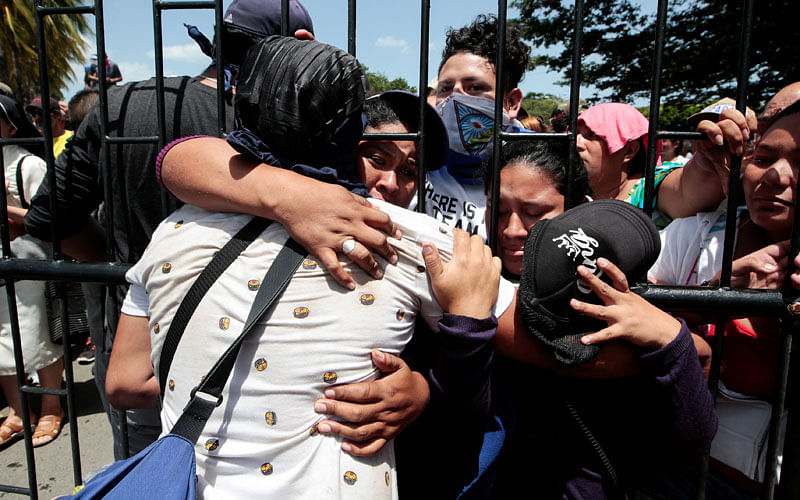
<point>37,349</point>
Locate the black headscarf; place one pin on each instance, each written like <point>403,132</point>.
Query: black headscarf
<point>298,106</point>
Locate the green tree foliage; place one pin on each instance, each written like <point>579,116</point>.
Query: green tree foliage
<point>673,116</point>
<point>536,103</point>
<point>701,53</point>
<point>19,62</point>
<point>378,82</point>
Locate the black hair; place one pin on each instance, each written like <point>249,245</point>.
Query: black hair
<point>480,38</point>
<point>545,156</point>
<point>380,111</point>
<point>639,162</point>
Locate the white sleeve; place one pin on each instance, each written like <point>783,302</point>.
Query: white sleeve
<point>136,303</point>
<point>676,240</point>
<point>505,295</point>
<point>33,171</point>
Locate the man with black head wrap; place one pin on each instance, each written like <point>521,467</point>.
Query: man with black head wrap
<point>306,117</point>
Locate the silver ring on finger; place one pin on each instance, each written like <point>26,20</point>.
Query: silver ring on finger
<point>348,246</point>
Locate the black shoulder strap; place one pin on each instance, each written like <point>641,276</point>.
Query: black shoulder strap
<point>221,261</point>
<point>20,186</point>
<point>196,413</point>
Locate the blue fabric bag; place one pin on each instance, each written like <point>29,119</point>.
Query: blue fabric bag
<point>168,466</point>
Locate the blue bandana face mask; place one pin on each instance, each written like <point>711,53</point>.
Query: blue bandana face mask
<point>469,121</point>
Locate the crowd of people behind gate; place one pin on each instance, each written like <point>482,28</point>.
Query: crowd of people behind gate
<point>552,381</point>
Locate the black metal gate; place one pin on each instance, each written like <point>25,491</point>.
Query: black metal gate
<point>721,301</point>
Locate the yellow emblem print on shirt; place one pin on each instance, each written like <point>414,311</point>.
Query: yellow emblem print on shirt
<point>388,478</point>
<point>171,385</point>
<point>442,230</point>
<point>300,312</point>
<point>224,323</point>
<point>400,314</point>
<point>166,268</point>
<point>313,431</point>
<point>178,224</point>
<point>156,328</point>
<point>212,444</point>
<point>329,377</point>
<point>253,284</point>
<point>367,299</point>
<point>261,364</point>
<point>271,418</point>
<point>309,264</point>
<point>266,468</point>
<point>350,477</point>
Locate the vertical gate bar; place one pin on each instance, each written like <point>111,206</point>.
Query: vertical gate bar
<point>16,343</point>
<point>40,19</point>
<point>655,103</point>
<point>789,486</point>
<point>778,407</point>
<point>105,153</point>
<point>351,27</point>
<point>713,386</point>
<point>220,66</point>
<point>424,51</point>
<point>497,147</point>
<point>161,113</point>
<point>22,380</point>
<point>285,17</point>
<point>574,96</point>
<point>105,171</point>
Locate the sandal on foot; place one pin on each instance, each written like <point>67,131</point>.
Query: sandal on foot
<point>48,427</point>
<point>9,433</point>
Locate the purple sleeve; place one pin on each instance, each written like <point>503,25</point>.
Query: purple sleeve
<point>677,371</point>
<point>163,153</point>
<point>460,376</point>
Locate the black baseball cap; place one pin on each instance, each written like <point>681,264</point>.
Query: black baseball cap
<point>555,248</point>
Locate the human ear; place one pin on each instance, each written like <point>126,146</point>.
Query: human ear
<point>513,102</point>
<point>632,148</point>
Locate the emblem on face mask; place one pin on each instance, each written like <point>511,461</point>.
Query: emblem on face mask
<point>475,128</point>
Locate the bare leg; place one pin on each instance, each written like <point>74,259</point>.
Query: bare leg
<point>13,422</point>
<point>51,415</point>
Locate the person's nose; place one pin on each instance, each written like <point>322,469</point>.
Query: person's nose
<point>387,182</point>
<point>579,142</point>
<point>515,228</point>
<point>780,173</point>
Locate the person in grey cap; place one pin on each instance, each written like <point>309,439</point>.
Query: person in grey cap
<point>135,200</point>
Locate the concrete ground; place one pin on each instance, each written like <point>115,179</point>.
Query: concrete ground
<point>54,469</point>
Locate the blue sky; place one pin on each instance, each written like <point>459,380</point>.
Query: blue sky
<point>387,37</point>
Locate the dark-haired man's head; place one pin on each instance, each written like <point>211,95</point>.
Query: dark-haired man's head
<point>469,60</point>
